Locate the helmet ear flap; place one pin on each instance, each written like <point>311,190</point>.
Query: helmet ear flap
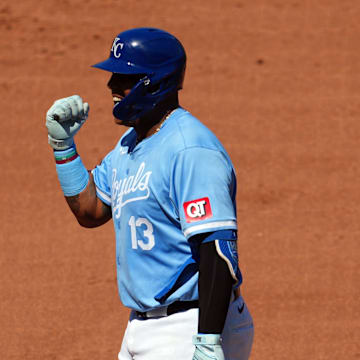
<point>158,84</point>
<point>153,89</point>
<point>168,83</point>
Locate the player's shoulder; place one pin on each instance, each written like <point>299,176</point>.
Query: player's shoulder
<point>126,141</point>
<point>187,131</point>
<point>121,146</point>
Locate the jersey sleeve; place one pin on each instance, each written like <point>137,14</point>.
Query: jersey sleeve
<point>203,189</point>
<point>102,177</point>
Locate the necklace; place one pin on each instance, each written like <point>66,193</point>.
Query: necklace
<point>169,112</point>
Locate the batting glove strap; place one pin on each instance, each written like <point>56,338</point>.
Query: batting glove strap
<point>208,347</point>
<point>60,144</point>
<point>210,339</point>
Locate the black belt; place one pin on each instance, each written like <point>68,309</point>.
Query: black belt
<point>173,308</point>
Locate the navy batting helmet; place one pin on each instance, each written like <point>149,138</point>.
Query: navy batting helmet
<point>151,52</point>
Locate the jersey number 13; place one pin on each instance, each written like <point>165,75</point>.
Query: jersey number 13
<point>147,233</point>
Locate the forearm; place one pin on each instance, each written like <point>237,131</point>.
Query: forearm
<point>79,189</point>
<point>215,285</point>
<point>88,209</point>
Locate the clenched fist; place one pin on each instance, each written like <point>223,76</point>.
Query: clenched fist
<point>64,119</point>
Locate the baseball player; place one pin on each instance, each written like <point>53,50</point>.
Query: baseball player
<point>169,187</point>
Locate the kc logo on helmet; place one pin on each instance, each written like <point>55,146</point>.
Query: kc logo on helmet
<point>117,47</point>
<point>196,210</point>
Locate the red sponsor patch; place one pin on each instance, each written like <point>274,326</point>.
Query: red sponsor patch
<point>196,210</point>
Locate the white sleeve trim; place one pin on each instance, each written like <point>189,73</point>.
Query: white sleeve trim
<point>106,198</point>
<point>212,225</point>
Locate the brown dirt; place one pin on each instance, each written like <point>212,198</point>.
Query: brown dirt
<point>278,81</point>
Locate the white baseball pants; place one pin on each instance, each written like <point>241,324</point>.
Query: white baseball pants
<point>170,337</point>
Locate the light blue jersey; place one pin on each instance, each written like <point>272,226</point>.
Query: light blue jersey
<point>174,184</point>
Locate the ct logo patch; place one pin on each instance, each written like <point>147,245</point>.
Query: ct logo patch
<point>196,210</point>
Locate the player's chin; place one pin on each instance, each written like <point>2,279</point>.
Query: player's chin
<point>117,121</point>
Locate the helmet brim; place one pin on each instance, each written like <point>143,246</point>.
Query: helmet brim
<point>121,67</point>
